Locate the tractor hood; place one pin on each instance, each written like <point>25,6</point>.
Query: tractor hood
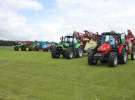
<point>18,45</point>
<point>63,45</point>
<point>66,44</point>
<point>104,48</point>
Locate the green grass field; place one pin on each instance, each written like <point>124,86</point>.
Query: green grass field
<point>36,76</point>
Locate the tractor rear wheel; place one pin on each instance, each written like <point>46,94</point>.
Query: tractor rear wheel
<point>133,54</point>
<point>113,59</point>
<point>79,52</point>
<point>55,53</point>
<point>91,60</point>
<point>123,57</point>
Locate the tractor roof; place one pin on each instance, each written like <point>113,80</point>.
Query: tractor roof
<point>111,33</point>
<point>69,36</point>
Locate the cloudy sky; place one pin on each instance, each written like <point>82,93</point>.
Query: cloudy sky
<point>49,19</point>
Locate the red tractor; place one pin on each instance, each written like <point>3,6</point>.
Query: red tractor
<point>111,49</point>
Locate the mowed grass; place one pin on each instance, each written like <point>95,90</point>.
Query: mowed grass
<point>36,76</point>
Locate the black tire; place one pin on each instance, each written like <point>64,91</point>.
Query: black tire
<point>113,59</point>
<point>133,54</point>
<point>55,53</point>
<point>79,53</point>
<point>91,60</point>
<point>123,57</point>
<point>69,54</point>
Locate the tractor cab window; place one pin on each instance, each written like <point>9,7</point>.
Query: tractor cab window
<point>68,39</point>
<point>108,38</point>
<point>19,43</point>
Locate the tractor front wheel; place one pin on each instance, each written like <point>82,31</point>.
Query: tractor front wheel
<point>79,52</point>
<point>123,57</point>
<point>55,53</point>
<point>69,54</point>
<point>113,59</point>
<point>91,60</point>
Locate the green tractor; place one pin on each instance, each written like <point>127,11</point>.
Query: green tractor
<point>18,46</point>
<point>24,46</point>
<point>69,47</point>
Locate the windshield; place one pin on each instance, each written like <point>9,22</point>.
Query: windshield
<point>68,39</point>
<point>108,38</point>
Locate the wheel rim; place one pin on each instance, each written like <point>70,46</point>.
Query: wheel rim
<point>134,54</point>
<point>58,55</point>
<point>27,49</point>
<point>71,55</point>
<point>94,61</point>
<point>125,57</point>
<point>19,49</point>
<point>80,53</point>
<point>115,61</point>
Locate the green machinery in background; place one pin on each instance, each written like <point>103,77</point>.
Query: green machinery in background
<point>69,47</point>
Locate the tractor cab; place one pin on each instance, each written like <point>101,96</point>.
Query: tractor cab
<point>69,41</point>
<point>108,39</point>
<point>111,40</point>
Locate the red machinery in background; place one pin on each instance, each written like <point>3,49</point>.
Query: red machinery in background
<point>86,37</point>
<point>130,40</point>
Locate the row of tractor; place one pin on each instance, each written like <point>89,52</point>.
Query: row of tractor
<point>74,45</point>
<point>109,47</point>
<point>32,46</point>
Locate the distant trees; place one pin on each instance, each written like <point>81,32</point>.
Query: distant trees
<point>7,43</point>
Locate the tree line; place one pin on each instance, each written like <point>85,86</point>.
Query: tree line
<point>13,43</point>
<point>7,43</point>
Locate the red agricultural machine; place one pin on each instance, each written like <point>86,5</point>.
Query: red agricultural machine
<point>88,39</point>
<point>113,48</point>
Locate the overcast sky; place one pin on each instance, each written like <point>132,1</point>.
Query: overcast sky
<point>49,19</point>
